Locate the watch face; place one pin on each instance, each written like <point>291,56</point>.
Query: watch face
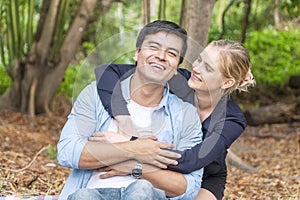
<point>136,172</point>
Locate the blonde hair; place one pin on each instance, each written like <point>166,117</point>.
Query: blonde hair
<point>234,63</point>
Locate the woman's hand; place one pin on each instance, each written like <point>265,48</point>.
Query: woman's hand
<point>112,171</point>
<point>153,152</point>
<point>109,137</point>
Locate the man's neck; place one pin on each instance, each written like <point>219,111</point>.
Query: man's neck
<point>148,95</point>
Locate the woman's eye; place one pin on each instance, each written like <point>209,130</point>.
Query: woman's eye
<point>207,68</point>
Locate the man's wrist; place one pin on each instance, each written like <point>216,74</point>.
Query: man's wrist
<point>133,138</point>
<point>137,170</point>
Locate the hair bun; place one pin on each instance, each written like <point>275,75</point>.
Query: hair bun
<point>248,80</point>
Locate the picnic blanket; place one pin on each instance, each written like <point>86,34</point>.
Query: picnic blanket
<point>29,198</point>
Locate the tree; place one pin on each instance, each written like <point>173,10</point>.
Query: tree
<point>37,64</point>
<point>196,17</point>
<point>146,11</point>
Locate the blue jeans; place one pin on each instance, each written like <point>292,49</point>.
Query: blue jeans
<point>140,189</point>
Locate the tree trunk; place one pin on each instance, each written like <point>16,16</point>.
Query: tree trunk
<point>275,113</point>
<point>42,72</point>
<point>146,11</point>
<point>233,160</point>
<point>196,18</point>
<point>223,19</point>
<point>162,9</point>
<point>247,11</point>
<point>276,14</point>
<point>294,81</point>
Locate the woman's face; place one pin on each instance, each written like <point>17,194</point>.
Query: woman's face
<point>206,75</point>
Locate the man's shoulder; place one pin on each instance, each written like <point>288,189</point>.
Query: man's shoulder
<point>176,103</point>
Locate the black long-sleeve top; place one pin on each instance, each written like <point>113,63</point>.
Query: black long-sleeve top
<point>220,129</point>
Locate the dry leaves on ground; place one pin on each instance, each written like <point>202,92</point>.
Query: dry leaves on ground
<point>273,150</point>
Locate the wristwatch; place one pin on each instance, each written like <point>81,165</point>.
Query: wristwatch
<point>136,172</point>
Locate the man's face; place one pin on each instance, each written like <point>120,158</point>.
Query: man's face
<point>159,56</point>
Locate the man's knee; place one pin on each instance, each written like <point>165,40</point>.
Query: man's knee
<point>141,185</point>
<point>143,189</point>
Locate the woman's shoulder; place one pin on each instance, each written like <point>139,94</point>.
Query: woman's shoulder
<point>233,107</point>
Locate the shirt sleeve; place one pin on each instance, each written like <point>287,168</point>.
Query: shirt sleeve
<point>189,136</point>
<point>80,125</point>
<point>222,132</point>
<point>109,88</point>
<point>193,180</point>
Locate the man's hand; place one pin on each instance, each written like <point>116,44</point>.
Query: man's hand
<point>123,169</point>
<point>152,152</point>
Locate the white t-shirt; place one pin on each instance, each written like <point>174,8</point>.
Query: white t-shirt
<point>142,119</point>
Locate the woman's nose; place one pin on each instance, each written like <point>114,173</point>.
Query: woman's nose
<point>196,67</point>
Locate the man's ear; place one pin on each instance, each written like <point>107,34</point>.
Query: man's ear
<point>136,53</point>
<point>228,83</point>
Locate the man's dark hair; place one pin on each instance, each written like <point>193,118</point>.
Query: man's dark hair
<point>163,26</point>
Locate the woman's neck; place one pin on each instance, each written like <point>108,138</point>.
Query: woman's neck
<point>206,103</point>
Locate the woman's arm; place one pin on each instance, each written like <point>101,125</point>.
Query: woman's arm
<point>222,131</point>
<point>109,89</point>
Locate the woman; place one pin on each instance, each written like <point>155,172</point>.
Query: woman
<point>222,68</point>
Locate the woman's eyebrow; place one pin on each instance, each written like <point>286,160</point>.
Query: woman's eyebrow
<point>206,63</point>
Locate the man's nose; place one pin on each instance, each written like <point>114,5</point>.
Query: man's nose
<point>161,54</point>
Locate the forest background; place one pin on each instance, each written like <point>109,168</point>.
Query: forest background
<point>56,41</point>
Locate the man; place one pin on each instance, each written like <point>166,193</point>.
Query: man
<point>160,48</point>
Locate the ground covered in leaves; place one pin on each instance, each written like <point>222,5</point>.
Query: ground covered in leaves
<point>28,165</point>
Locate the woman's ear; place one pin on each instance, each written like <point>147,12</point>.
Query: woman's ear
<point>228,83</point>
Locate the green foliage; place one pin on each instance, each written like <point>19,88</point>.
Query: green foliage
<point>275,55</point>
<point>51,152</point>
<point>4,80</point>
<point>67,85</point>
<point>291,8</point>
<point>17,25</point>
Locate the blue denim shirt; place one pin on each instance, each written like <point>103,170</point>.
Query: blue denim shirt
<point>174,121</point>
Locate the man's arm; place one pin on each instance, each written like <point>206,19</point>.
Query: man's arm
<point>75,151</point>
<point>145,150</point>
<point>173,183</point>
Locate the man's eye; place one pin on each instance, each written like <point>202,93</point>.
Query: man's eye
<point>153,47</point>
<point>173,54</point>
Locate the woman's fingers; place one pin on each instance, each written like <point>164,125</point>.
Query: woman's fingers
<point>112,173</point>
<point>98,139</point>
